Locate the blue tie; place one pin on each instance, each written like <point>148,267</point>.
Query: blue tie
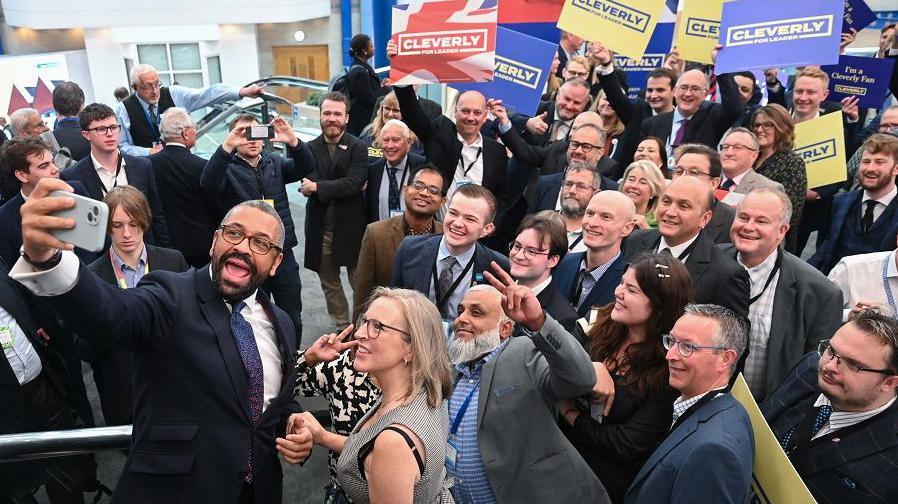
<point>823,413</point>
<point>252,368</point>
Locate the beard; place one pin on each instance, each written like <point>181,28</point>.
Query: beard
<point>461,351</point>
<point>230,292</point>
<point>572,207</point>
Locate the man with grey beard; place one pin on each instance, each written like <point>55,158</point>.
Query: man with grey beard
<point>505,445</point>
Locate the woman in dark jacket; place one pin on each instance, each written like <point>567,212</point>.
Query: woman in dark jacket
<point>625,345</point>
<point>362,85</point>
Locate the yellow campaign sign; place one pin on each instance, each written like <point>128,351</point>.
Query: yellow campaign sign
<point>821,143</point>
<point>774,480</point>
<point>624,26</point>
<point>698,29</point>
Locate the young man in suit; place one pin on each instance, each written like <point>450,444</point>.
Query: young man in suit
<point>68,100</point>
<point>703,163</point>
<point>191,217</point>
<point>835,414</point>
<point>710,449</point>
<point>684,208</point>
<point>335,210</point>
<point>444,267</point>
<point>124,265</point>
<point>387,176</point>
<point>589,278</point>
<point>213,357</point>
<point>535,253</point>
<point>792,305</point>
<point>864,220</point>
<point>241,170</point>
<point>738,153</point>
<point>424,196</point>
<point>107,167</point>
<point>506,441</point>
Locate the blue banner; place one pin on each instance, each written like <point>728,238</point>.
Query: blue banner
<point>520,73</point>
<point>857,15</point>
<point>772,33</point>
<point>866,78</point>
<point>638,69</point>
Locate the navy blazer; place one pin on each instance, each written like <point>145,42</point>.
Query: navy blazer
<point>375,174</point>
<point>139,172</point>
<point>549,186</point>
<point>828,254</point>
<point>192,429</point>
<point>601,293</point>
<point>413,266</point>
<point>710,454</point>
<point>852,467</point>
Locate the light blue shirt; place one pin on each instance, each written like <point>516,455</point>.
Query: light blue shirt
<point>590,280</point>
<point>188,98</point>
<point>22,356</point>
<point>463,286</point>
<point>674,129</point>
<point>132,276</point>
<point>384,195</point>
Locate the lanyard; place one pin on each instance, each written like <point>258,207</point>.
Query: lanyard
<point>887,287</point>
<point>442,299</point>
<point>684,254</point>
<point>119,275</point>
<point>114,178</point>
<point>462,409</point>
<point>462,164</point>
<point>578,240</point>
<point>773,272</point>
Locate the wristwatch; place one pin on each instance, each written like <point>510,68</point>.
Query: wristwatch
<point>44,265</point>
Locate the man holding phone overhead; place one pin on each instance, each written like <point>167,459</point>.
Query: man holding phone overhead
<point>241,170</point>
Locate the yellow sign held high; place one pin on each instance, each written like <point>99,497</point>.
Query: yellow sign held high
<point>698,29</point>
<point>821,143</point>
<point>625,26</point>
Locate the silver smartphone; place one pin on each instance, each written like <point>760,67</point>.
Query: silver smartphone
<point>90,218</point>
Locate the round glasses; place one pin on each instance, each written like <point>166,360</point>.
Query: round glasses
<point>257,244</point>
<point>685,348</point>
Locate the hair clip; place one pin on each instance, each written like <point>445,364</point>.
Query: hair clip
<point>662,267</point>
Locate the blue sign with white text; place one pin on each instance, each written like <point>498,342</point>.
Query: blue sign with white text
<point>772,33</point>
<point>866,78</point>
<point>520,72</point>
<point>857,15</point>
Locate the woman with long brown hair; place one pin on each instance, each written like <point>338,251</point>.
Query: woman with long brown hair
<point>625,345</point>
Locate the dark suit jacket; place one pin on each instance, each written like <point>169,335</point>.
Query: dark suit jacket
<point>601,293</point>
<point>558,307</point>
<point>716,277</point>
<point>443,148</point>
<point>850,470</point>
<point>806,309</point>
<point>192,430</point>
<point>375,174</point>
<point>68,134</point>
<point>413,266</point>
<point>631,113</point>
<point>708,124</point>
<point>139,172</point>
<point>551,158</point>
<point>192,219</point>
<point>520,124</point>
<point>548,186</point>
<point>718,228</point>
<point>340,182</point>
<point>717,443</point>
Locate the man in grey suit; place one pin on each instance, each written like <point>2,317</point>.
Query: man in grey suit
<point>703,163</point>
<point>792,305</point>
<point>504,443</point>
<point>738,153</point>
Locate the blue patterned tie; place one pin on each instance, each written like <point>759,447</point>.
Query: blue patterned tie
<point>252,368</point>
<point>393,193</point>
<point>823,413</point>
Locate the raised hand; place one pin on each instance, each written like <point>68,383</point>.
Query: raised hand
<point>308,187</point>
<point>329,347</point>
<point>518,302</point>
<point>714,52</point>
<point>498,109</point>
<point>253,90</point>
<point>236,138</point>
<point>38,241</point>
<point>599,54</point>
<point>283,132</point>
<point>392,48</point>
<point>537,125</point>
<point>850,108</point>
<point>847,40</point>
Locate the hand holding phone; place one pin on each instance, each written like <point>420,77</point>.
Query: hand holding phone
<point>259,132</point>
<point>90,218</point>
<point>40,222</point>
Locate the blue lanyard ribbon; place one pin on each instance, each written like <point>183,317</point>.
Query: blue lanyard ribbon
<point>461,410</point>
<point>886,287</point>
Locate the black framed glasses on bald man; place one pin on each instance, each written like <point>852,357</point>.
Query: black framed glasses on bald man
<point>257,244</point>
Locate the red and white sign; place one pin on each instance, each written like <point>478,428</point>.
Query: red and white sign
<point>450,41</point>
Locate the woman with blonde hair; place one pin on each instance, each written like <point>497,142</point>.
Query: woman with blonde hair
<point>396,453</point>
<point>643,183</point>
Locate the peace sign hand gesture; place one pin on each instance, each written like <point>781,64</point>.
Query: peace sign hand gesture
<point>329,347</point>
<point>519,302</point>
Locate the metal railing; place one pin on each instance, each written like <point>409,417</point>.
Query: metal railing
<point>38,445</point>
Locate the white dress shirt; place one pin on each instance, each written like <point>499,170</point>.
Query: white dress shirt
<point>107,174</point>
<point>859,277</point>
<point>541,286</point>
<point>459,293</point>
<point>677,250</point>
<point>383,208</point>
<point>883,202</point>
<point>20,353</point>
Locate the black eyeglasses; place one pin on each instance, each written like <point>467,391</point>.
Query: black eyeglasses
<point>515,247</point>
<point>421,187</point>
<point>685,348</point>
<point>585,147</point>
<point>102,130</point>
<point>257,244</point>
<point>825,349</point>
<point>373,328</point>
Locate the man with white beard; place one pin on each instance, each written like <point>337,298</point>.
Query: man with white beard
<point>505,445</point>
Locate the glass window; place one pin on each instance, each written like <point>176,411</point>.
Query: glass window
<point>153,54</point>
<point>185,56</point>
<point>213,66</point>
<point>189,79</point>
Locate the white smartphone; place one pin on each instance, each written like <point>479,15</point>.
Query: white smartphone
<point>90,218</point>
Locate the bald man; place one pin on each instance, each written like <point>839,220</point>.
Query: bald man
<point>684,209</point>
<point>695,120</point>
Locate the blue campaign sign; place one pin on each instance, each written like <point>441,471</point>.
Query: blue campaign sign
<point>520,73</point>
<point>866,78</point>
<point>772,33</point>
<point>857,15</point>
<point>638,69</point>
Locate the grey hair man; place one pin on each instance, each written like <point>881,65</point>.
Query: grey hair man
<point>738,152</point>
<point>28,123</point>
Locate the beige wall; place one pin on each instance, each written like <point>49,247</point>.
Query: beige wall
<point>17,41</point>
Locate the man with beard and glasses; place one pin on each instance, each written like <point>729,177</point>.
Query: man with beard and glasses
<point>213,357</point>
<point>505,444</point>
<point>835,414</point>
<point>864,220</point>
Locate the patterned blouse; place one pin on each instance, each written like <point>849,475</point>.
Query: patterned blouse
<point>350,394</point>
<point>788,169</point>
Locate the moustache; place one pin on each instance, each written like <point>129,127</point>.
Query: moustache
<point>244,258</point>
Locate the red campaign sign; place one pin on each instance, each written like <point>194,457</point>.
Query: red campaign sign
<point>529,11</point>
<point>451,41</point>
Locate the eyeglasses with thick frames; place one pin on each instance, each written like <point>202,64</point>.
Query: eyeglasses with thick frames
<point>421,187</point>
<point>104,130</point>
<point>825,349</point>
<point>373,328</point>
<point>515,247</point>
<point>686,348</point>
<point>585,147</point>
<point>257,244</point>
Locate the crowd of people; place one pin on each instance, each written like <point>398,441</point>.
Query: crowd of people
<point>546,308</point>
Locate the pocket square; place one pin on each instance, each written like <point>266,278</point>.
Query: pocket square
<point>506,390</point>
